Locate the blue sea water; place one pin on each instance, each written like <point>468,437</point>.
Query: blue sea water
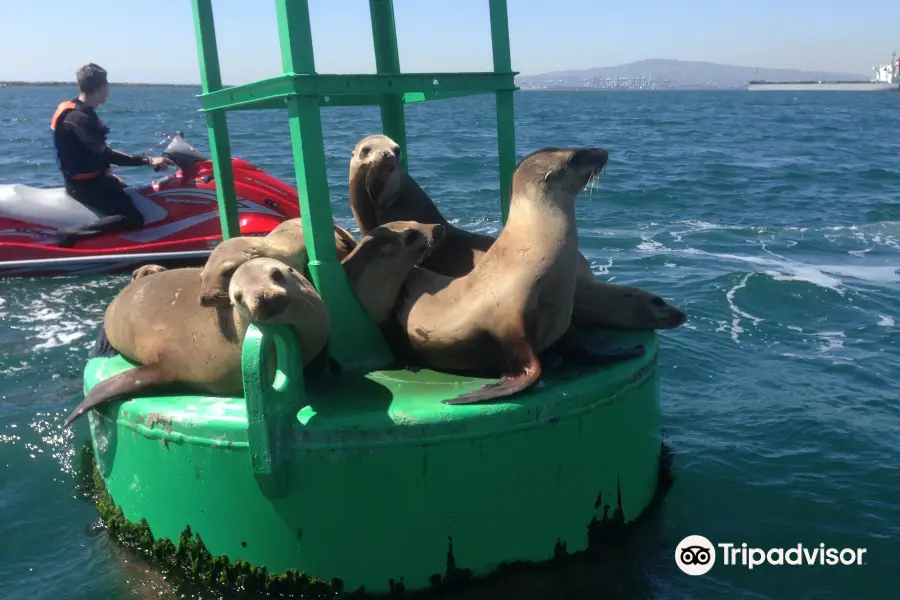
<point>773,219</point>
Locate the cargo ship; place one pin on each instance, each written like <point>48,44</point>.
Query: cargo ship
<point>887,78</point>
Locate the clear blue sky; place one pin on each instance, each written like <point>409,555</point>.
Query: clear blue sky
<point>153,40</point>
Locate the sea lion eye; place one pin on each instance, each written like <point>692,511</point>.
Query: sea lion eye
<point>657,301</point>
<point>398,153</point>
<point>238,297</point>
<point>364,152</point>
<point>277,276</point>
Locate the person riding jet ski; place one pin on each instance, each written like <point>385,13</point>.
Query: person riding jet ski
<point>84,160</point>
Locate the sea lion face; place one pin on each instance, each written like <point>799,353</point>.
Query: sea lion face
<point>221,266</point>
<point>377,158</point>
<point>566,170</point>
<point>662,314</point>
<point>411,239</point>
<point>382,260</point>
<point>262,289</point>
<point>649,311</point>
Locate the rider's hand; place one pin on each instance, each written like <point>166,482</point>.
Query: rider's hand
<point>159,163</point>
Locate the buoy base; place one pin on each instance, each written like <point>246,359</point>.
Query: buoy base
<point>384,484</point>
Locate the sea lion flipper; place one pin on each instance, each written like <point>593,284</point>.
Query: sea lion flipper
<point>102,347</point>
<point>589,357</point>
<point>523,371</point>
<point>125,383</point>
<point>575,353</point>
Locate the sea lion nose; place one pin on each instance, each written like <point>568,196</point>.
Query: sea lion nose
<point>271,306</point>
<point>594,158</point>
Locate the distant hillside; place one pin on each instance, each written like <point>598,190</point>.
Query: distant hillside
<point>674,74</point>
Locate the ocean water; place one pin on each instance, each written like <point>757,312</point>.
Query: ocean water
<point>773,219</point>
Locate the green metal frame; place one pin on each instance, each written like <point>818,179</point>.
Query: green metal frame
<point>317,443</point>
<point>354,341</point>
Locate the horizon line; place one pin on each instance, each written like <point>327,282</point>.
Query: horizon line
<point>38,82</point>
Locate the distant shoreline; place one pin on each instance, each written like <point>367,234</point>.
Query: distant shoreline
<point>197,86</point>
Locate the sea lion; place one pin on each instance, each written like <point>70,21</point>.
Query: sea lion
<point>381,262</point>
<point>517,300</point>
<point>381,191</point>
<point>102,348</point>
<point>284,243</point>
<point>625,307</point>
<point>146,270</point>
<point>157,322</point>
<point>148,322</point>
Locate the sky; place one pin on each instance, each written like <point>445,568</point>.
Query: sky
<point>153,41</point>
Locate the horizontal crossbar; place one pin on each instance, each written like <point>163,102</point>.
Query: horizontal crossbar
<point>353,90</point>
<point>356,100</point>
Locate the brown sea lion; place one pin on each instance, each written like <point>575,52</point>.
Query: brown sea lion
<point>179,341</point>
<point>284,243</point>
<point>618,306</point>
<point>381,191</point>
<point>517,301</point>
<point>146,270</point>
<point>157,322</point>
<point>383,259</point>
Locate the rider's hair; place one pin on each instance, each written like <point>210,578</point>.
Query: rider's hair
<point>91,78</point>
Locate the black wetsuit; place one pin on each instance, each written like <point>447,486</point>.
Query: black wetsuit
<point>85,159</point>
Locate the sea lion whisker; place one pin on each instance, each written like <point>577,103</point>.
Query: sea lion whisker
<point>369,191</point>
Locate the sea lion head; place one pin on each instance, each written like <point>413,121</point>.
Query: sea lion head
<point>375,177</point>
<point>651,311</point>
<point>222,264</point>
<point>265,290</point>
<point>262,289</point>
<point>560,173</point>
<point>383,259</point>
<point>146,270</point>
<point>633,308</point>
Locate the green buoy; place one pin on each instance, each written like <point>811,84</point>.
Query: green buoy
<point>366,480</point>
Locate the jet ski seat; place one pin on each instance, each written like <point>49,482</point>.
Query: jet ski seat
<point>54,208</point>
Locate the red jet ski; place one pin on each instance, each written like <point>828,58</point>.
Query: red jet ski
<point>181,219</point>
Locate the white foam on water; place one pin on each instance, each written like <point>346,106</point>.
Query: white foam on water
<point>832,340</point>
<point>48,320</point>
<point>695,226</point>
<point>601,269</point>
<point>10,370</point>
<point>652,246</point>
<point>781,268</point>
<point>736,311</point>
<point>885,321</point>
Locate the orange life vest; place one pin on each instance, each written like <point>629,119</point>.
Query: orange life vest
<point>62,110</point>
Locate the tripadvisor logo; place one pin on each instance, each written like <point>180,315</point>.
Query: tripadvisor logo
<point>696,555</point>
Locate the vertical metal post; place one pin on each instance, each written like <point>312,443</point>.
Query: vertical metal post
<point>216,121</point>
<point>387,60</point>
<point>506,125</point>
<point>354,341</point>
